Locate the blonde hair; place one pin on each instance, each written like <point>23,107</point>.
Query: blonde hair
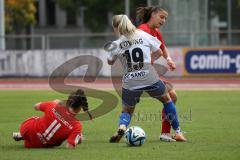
<point>124,25</point>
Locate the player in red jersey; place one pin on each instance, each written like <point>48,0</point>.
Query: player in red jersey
<point>56,125</point>
<point>152,18</point>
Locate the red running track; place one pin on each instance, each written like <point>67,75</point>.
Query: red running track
<point>106,83</point>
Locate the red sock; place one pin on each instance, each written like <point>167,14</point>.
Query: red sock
<point>166,126</point>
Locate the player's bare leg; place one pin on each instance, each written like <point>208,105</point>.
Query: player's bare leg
<point>172,93</point>
<point>122,128</point>
<point>17,136</point>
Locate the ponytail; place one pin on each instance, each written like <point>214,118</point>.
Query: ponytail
<point>124,25</point>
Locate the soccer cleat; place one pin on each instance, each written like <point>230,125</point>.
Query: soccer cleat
<point>166,137</point>
<point>116,138</point>
<point>17,136</point>
<point>179,137</point>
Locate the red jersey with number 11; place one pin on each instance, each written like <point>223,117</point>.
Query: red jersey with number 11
<point>55,126</point>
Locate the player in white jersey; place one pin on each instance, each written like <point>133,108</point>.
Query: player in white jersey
<point>134,48</point>
<point>136,59</point>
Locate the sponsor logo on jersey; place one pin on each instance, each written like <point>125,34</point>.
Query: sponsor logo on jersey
<point>135,75</point>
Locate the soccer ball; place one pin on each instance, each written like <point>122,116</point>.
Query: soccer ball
<point>135,136</point>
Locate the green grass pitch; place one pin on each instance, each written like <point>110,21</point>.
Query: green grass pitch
<point>211,120</point>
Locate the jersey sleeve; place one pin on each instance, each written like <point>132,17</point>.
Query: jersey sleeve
<point>43,106</point>
<point>76,135</point>
<point>112,54</point>
<point>154,43</point>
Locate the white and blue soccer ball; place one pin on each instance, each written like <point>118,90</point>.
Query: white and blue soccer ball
<point>135,136</point>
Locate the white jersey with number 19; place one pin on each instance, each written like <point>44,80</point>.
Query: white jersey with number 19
<point>135,56</point>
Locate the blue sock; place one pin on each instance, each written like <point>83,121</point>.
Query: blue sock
<point>124,119</point>
<point>171,114</point>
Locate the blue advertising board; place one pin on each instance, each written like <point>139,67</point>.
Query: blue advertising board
<point>212,61</point>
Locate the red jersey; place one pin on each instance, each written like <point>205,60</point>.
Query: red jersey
<point>55,126</point>
<point>154,32</point>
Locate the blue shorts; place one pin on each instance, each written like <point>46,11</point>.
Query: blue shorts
<point>132,97</point>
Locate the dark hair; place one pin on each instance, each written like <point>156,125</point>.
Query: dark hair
<point>78,100</point>
<point>144,13</point>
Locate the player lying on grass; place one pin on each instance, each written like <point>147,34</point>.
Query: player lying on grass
<point>56,125</point>
<point>134,48</point>
<point>152,18</point>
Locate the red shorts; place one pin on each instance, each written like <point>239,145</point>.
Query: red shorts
<point>30,138</point>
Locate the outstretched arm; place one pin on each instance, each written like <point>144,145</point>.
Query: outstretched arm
<point>170,62</point>
<point>157,55</point>
<point>41,106</point>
